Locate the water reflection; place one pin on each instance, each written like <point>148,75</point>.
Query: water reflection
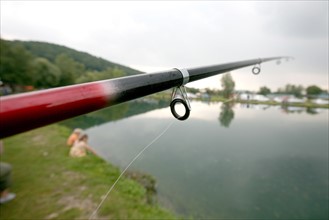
<point>293,109</point>
<point>279,170</point>
<point>254,106</point>
<point>143,105</point>
<point>283,108</point>
<point>313,111</point>
<point>226,114</point>
<point>115,113</point>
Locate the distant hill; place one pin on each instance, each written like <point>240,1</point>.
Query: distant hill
<point>51,51</point>
<point>40,65</point>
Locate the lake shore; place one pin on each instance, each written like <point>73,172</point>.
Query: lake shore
<point>306,104</point>
<point>218,98</point>
<point>51,185</point>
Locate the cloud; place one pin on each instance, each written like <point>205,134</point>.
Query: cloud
<point>296,19</point>
<point>161,35</point>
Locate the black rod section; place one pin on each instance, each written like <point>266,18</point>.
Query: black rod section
<point>23,112</point>
<point>132,87</point>
<point>204,72</point>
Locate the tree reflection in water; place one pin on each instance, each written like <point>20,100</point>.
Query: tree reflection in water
<point>226,114</point>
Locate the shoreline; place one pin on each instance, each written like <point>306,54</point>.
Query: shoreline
<point>306,104</point>
<point>51,185</point>
<point>216,98</point>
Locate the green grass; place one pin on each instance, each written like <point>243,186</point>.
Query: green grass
<point>51,185</point>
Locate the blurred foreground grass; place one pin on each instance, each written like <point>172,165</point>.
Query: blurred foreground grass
<point>51,185</point>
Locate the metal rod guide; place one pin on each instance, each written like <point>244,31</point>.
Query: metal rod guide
<point>179,98</point>
<point>256,69</point>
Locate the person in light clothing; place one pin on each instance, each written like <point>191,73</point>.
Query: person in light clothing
<point>81,147</point>
<point>74,137</point>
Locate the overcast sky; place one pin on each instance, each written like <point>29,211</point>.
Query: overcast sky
<point>155,36</point>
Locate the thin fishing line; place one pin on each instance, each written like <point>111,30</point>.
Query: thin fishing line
<point>132,161</point>
<point>231,99</point>
<point>228,100</point>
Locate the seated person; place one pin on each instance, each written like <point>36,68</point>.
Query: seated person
<point>73,137</point>
<point>80,147</point>
<point>5,181</point>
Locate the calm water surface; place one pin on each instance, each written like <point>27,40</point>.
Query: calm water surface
<point>228,161</point>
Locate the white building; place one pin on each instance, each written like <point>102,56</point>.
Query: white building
<point>320,101</point>
<point>295,100</point>
<point>256,97</point>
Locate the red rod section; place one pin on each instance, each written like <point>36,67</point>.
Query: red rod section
<point>19,113</point>
<point>31,110</point>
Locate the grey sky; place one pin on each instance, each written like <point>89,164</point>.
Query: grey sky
<point>153,36</point>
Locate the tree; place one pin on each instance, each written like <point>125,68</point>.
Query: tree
<point>88,76</point>
<point>192,90</point>
<point>45,74</point>
<point>295,90</point>
<point>313,90</point>
<point>228,85</point>
<point>292,89</point>
<point>264,90</point>
<point>109,73</point>
<point>14,64</point>
<point>70,69</point>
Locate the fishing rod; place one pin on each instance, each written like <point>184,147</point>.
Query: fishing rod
<point>23,112</point>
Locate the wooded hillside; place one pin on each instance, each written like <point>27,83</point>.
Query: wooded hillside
<point>46,65</point>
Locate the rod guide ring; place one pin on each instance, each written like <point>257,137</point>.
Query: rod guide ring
<point>175,114</point>
<point>180,99</point>
<point>255,70</point>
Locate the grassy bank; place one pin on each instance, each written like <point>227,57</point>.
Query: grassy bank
<point>306,104</point>
<point>51,185</point>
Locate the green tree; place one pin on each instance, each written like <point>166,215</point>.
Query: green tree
<point>228,85</point>
<point>226,114</point>
<point>292,89</point>
<point>264,90</point>
<point>45,74</point>
<point>51,51</point>
<point>14,64</point>
<point>313,90</point>
<point>88,76</point>
<point>70,69</point>
<point>109,73</point>
<point>296,90</point>
<point>192,90</point>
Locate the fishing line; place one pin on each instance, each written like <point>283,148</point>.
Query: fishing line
<point>231,99</point>
<point>132,161</point>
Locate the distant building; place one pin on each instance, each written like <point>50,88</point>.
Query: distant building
<point>255,97</point>
<point>286,98</point>
<point>244,96</point>
<point>260,98</point>
<point>320,101</point>
<point>280,97</point>
<point>295,100</point>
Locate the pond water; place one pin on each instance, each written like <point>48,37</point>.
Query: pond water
<point>227,161</point>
